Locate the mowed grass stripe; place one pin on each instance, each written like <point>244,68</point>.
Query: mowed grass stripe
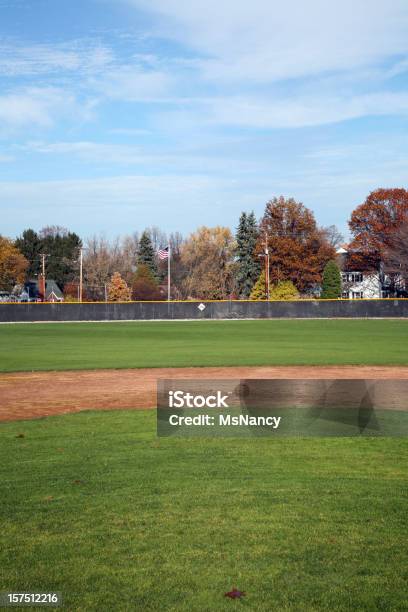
<point>202,343</point>
<point>95,506</point>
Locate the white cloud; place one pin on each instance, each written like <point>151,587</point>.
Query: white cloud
<point>263,40</point>
<point>17,59</point>
<point>133,83</point>
<point>106,153</point>
<point>304,111</point>
<point>28,107</point>
<point>39,107</point>
<point>189,158</point>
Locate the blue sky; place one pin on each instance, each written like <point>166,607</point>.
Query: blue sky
<point>121,114</point>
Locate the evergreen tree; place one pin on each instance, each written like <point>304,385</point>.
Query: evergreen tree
<point>259,290</point>
<point>331,285</point>
<point>146,255</point>
<point>62,249</point>
<point>248,264</point>
<point>29,244</point>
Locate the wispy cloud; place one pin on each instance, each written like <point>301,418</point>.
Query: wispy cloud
<point>263,41</point>
<point>106,153</point>
<point>40,107</point>
<point>306,111</point>
<point>32,106</point>
<point>133,83</point>
<point>17,59</point>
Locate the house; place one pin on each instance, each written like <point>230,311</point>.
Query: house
<point>52,291</point>
<point>358,284</point>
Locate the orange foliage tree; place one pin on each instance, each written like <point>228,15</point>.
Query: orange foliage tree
<point>13,265</point>
<point>374,224</point>
<point>118,290</point>
<point>144,286</point>
<point>71,292</point>
<point>298,248</point>
<point>396,259</point>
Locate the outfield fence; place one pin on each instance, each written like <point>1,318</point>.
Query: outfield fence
<point>228,309</point>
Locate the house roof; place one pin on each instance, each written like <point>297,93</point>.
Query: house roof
<point>50,287</point>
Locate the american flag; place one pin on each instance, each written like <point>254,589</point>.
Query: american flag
<point>163,253</point>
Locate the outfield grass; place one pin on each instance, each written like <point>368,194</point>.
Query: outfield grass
<point>202,343</point>
<point>95,506</point>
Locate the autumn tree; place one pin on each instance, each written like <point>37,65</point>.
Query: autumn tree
<point>395,258</point>
<point>118,290</point>
<point>259,290</point>
<point>13,265</point>
<point>208,258</point>
<point>285,290</point>
<point>373,225</point>
<point>144,286</point>
<point>71,292</point>
<point>146,254</point>
<point>248,264</point>
<point>298,249</point>
<point>331,285</point>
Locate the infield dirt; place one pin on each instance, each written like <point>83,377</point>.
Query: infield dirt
<point>27,395</point>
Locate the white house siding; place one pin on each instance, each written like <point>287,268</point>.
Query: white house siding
<point>368,287</point>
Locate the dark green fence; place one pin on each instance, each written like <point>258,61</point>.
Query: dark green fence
<point>234,309</point>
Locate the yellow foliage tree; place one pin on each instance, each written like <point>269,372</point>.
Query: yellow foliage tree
<point>259,290</point>
<point>285,290</point>
<point>118,290</point>
<point>208,258</point>
<point>13,265</point>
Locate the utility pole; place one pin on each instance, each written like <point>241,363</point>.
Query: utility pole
<point>267,289</point>
<point>43,286</point>
<point>81,250</point>
<point>168,275</point>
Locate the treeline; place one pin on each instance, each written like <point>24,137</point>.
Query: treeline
<point>214,263</point>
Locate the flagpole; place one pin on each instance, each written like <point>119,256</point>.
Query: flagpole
<point>168,275</point>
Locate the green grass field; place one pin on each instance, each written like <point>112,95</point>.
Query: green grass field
<point>96,506</point>
<point>202,343</point>
<point>93,505</point>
